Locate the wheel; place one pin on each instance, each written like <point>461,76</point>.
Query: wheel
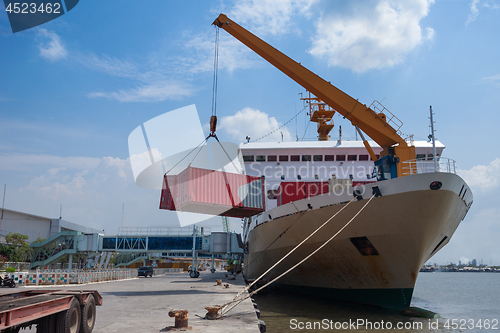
<point>88,315</point>
<point>12,284</point>
<point>46,324</point>
<point>69,321</point>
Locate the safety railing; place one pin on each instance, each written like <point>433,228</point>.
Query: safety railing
<point>416,166</point>
<point>390,118</point>
<point>161,231</point>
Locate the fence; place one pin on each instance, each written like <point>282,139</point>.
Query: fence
<point>60,277</point>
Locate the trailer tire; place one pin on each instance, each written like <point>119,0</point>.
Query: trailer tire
<point>46,324</point>
<point>69,321</point>
<point>88,315</point>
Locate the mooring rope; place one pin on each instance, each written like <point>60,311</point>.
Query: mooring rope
<point>295,248</point>
<point>226,308</point>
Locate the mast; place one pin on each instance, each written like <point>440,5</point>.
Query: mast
<point>433,143</point>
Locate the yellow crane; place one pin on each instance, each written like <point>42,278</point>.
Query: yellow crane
<point>376,125</point>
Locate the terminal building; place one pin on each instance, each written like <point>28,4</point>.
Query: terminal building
<point>35,226</point>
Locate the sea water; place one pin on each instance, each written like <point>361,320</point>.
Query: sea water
<point>466,302</point>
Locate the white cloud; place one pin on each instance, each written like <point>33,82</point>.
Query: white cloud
<point>232,54</point>
<point>253,123</point>
<point>51,49</point>
<point>148,93</point>
<point>371,34</point>
<point>273,17</point>
<point>483,177</point>
<point>474,12</point>
<point>489,79</point>
<point>108,65</point>
<point>19,162</point>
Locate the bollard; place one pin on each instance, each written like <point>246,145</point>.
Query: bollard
<point>212,312</point>
<point>219,282</point>
<point>181,318</point>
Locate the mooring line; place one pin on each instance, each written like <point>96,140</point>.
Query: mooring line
<point>295,248</point>
<point>226,308</point>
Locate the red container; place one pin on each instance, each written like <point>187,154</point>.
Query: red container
<point>213,192</point>
<point>316,188</point>
<point>291,191</point>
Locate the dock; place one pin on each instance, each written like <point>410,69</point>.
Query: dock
<point>142,304</point>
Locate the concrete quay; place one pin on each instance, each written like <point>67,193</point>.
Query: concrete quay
<point>142,304</point>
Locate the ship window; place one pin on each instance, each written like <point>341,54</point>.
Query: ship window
<point>248,158</point>
<point>295,158</point>
<point>340,157</point>
<point>283,158</point>
<point>363,157</point>
<point>306,158</point>
<point>430,157</point>
<point>329,158</point>
<point>299,177</point>
<point>352,157</point>
<point>377,156</point>
<point>261,158</point>
<point>282,177</point>
<point>317,158</point>
<point>272,158</point>
<point>364,246</point>
<point>420,156</point>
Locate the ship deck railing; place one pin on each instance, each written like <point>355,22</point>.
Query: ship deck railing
<point>422,165</point>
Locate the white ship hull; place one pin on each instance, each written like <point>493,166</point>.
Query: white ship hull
<point>406,226</point>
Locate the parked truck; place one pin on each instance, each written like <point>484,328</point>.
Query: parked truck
<point>53,311</point>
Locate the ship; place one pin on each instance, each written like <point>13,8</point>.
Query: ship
<point>392,202</point>
<point>376,258</point>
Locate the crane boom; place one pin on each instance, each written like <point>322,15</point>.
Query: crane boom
<point>373,124</point>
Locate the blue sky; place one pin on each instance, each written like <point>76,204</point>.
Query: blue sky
<point>73,89</point>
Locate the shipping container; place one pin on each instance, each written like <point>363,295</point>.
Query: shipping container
<point>291,191</point>
<point>316,188</point>
<point>213,192</point>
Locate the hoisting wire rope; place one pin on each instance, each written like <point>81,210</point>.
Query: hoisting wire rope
<point>289,253</point>
<point>213,120</point>
<point>182,159</point>
<point>216,70</point>
<point>227,307</point>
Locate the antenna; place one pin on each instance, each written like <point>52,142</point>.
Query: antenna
<point>3,203</point>
<point>433,142</point>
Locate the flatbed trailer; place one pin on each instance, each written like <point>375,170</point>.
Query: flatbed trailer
<point>54,311</point>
